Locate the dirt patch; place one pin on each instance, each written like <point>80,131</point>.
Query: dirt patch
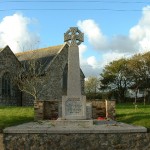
<point>1,142</point>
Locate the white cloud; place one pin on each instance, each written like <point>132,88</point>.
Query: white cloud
<point>137,40</point>
<point>82,49</point>
<point>92,61</point>
<point>116,47</point>
<point>140,33</point>
<point>88,65</point>
<point>14,31</point>
<point>93,32</point>
<point>110,56</point>
<point>101,42</point>
<point>88,70</point>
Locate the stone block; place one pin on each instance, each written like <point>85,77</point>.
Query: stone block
<point>74,123</point>
<point>74,107</point>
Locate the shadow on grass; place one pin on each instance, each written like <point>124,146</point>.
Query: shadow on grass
<point>136,120</point>
<point>10,116</point>
<point>134,114</point>
<point>132,106</point>
<point>15,120</point>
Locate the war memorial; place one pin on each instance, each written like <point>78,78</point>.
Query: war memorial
<point>75,128</point>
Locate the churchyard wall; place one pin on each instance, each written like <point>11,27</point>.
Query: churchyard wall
<point>77,141</point>
<point>52,109</point>
<point>103,108</point>
<point>47,110</point>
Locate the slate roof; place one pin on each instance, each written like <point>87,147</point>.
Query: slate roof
<point>43,55</point>
<point>1,49</point>
<point>39,53</point>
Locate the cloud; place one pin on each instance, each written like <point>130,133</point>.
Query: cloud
<point>110,56</point>
<point>93,32</point>
<point>121,43</point>
<point>82,49</point>
<point>137,40</point>
<point>14,31</point>
<point>88,64</point>
<point>140,33</point>
<point>90,71</point>
<point>101,42</point>
<point>115,47</point>
<point>92,61</point>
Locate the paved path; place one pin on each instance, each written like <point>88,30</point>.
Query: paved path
<point>1,142</point>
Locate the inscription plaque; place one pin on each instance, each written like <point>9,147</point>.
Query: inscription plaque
<point>73,106</point>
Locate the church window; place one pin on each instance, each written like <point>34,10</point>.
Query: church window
<point>64,80</point>
<point>6,84</point>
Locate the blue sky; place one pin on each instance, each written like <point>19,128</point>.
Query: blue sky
<point>113,28</point>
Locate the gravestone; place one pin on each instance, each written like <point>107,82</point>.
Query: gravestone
<point>73,104</point>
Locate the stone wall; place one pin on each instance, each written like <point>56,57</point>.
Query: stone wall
<point>27,99</point>
<point>103,108</point>
<point>98,109</point>
<point>47,110</point>
<point>38,110</point>
<point>51,110</point>
<point>9,64</point>
<point>72,141</point>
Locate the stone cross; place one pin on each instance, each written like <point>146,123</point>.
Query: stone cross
<point>74,104</point>
<point>74,37</point>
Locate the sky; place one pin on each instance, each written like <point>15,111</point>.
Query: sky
<point>113,29</point>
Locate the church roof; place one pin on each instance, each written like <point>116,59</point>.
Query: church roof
<point>39,53</point>
<point>42,57</point>
<point>1,49</point>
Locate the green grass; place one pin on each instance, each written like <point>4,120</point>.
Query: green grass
<point>10,116</point>
<point>128,114</point>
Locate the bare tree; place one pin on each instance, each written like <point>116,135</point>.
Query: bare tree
<point>31,77</point>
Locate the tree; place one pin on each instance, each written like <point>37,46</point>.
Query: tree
<point>139,65</point>
<point>123,74</point>
<point>29,77</point>
<point>116,77</point>
<point>91,86</point>
<point>135,65</point>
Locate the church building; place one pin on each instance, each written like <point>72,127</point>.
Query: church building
<point>54,61</point>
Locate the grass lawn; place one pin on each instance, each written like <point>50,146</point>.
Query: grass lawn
<point>10,116</point>
<point>126,113</point>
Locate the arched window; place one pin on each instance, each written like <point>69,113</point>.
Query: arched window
<point>6,85</point>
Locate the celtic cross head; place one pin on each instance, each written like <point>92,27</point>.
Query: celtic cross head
<point>74,36</point>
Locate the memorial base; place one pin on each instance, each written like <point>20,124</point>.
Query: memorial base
<point>46,136</point>
<point>74,123</point>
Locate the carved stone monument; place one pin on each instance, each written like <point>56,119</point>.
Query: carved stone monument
<point>74,104</point>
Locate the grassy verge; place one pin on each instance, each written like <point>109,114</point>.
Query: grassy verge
<point>137,116</point>
<point>10,116</point>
